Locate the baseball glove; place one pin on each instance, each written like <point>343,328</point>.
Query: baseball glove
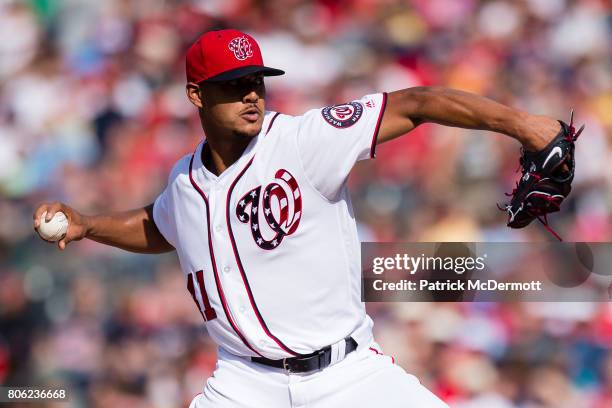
<point>546,180</point>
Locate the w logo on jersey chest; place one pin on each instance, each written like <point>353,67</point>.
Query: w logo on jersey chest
<point>279,205</point>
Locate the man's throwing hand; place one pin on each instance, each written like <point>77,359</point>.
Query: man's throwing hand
<point>77,225</point>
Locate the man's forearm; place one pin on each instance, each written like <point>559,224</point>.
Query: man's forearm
<point>131,230</point>
<point>462,109</point>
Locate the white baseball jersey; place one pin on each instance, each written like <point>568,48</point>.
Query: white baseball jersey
<point>269,247</point>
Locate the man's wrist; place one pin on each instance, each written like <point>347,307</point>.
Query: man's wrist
<point>536,132</point>
<point>88,225</point>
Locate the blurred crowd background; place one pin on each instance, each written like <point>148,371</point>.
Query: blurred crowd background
<point>93,113</point>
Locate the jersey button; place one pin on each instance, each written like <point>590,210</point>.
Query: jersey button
<point>226,269</point>
<point>242,309</point>
<point>218,228</point>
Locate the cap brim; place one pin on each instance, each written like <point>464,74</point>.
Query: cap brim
<point>244,71</point>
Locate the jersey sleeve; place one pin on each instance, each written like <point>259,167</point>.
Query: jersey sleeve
<point>331,140</point>
<point>163,207</point>
<point>162,219</point>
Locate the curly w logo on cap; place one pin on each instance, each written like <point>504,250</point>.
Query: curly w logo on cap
<point>241,47</point>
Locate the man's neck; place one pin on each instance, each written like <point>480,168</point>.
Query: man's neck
<point>222,148</point>
<point>217,156</point>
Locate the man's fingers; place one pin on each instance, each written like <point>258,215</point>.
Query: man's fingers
<point>69,237</point>
<point>48,210</point>
<point>51,210</point>
<point>38,213</point>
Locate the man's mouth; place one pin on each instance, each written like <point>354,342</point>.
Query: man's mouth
<point>251,114</point>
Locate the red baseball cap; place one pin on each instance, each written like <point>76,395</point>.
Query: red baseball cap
<point>224,55</point>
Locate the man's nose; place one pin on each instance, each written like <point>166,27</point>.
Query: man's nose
<point>251,97</point>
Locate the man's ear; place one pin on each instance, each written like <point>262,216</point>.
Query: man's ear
<point>194,94</point>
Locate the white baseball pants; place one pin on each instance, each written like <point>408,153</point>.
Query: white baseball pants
<point>364,378</point>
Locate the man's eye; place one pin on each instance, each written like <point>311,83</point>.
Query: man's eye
<point>236,83</point>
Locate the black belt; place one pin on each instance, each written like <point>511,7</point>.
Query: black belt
<point>308,362</point>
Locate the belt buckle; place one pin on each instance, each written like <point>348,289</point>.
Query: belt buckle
<point>286,366</point>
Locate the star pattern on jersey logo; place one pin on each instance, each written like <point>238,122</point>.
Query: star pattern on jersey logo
<point>284,192</point>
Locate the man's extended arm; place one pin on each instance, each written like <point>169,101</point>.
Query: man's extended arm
<point>408,108</point>
<point>132,230</point>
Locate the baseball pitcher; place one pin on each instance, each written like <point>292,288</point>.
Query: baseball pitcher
<point>262,222</point>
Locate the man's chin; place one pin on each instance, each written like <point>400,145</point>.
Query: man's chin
<point>248,132</point>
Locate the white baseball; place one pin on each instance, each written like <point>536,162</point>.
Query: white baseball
<point>55,229</point>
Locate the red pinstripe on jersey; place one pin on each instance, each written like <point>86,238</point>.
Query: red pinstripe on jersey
<point>271,123</point>
<point>241,268</point>
<point>378,122</point>
<point>381,354</point>
<point>214,264</point>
